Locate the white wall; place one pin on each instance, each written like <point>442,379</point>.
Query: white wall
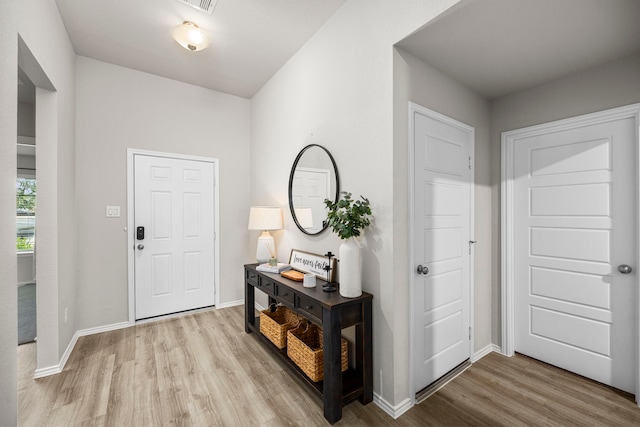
<point>8,155</point>
<point>119,108</point>
<point>40,26</point>
<point>611,85</point>
<point>417,82</point>
<point>339,88</point>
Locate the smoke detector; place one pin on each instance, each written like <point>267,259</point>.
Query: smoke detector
<point>205,6</point>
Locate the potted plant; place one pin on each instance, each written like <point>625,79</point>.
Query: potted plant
<point>347,218</point>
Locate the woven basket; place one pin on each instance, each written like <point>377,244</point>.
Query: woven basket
<point>305,349</point>
<point>274,325</point>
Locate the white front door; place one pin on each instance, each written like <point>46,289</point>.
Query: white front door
<point>310,187</point>
<point>441,232</point>
<point>174,260</point>
<point>574,224</point>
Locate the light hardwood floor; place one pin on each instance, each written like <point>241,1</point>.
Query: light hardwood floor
<point>204,370</point>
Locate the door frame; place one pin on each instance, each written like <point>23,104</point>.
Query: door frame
<point>507,230</point>
<point>413,109</point>
<point>131,153</point>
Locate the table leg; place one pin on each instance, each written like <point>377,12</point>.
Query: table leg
<point>364,360</point>
<point>332,383</point>
<point>249,306</point>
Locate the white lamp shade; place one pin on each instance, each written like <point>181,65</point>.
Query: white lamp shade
<point>190,37</point>
<point>265,218</point>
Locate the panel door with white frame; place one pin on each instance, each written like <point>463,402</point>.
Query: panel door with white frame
<point>174,259</point>
<point>442,250</point>
<point>310,187</point>
<point>575,233</point>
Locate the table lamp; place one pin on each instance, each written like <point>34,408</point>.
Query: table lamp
<point>265,218</point>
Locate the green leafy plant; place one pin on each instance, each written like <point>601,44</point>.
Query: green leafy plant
<point>347,217</point>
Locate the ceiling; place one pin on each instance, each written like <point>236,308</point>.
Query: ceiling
<point>250,39</point>
<point>497,47</point>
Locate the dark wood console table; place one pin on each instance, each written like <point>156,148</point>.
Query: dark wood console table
<point>333,313</point>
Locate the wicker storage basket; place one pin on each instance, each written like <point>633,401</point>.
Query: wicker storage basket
<point>274,325</point>
<point>305,349</point>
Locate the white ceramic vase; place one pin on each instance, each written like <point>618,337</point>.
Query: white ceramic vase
<point>350,269</point>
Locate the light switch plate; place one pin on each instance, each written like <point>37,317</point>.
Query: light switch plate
<point>113,211</point>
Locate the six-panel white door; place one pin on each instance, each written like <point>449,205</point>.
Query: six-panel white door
<point>174,263</point>
<point>574,222</point>
<point>442,218</point>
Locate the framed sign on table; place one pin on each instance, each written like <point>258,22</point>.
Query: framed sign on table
<point>307,262</point>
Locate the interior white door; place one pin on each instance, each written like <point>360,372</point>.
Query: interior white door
<point>574,224</point>
<point>174,261</point>
<point>442,217</point>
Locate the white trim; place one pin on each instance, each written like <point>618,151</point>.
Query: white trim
<point>50,370</point>
<point>509,139</point>
<point>491,348</point>
<point>393,411</point>
<point>230,304</point>
<point>56,369</point>
<point>101,329</point>
<point>415,108</point>
<point>131,152</point>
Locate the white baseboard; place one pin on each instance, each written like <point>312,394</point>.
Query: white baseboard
<point>45,372</point>
<point>393,411</point>
<point>56,369</point>
<point>230,304</point>
<point>396,411</point>
<point>484,351</point>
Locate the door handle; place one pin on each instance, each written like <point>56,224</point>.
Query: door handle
<point>625,269</point>
<point>140,246</point>
<point>422,269</point>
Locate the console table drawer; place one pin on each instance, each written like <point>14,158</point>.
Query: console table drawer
<point>266,285</point>
<point>252,277</point>
<point>310,307</point>
<point>285,294</point>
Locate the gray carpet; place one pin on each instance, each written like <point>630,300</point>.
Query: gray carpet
<point>27,313</point>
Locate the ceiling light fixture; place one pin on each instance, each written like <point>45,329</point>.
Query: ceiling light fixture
<point>190,36</point>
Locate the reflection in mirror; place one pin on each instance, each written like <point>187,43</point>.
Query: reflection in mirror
<point>314,177</point>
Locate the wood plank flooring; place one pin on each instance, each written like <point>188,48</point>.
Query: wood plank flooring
<point>203,370</point>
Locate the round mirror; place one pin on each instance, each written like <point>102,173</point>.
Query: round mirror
<point>314,177</point>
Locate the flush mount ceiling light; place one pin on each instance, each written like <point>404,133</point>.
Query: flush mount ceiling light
<point>190,37</point>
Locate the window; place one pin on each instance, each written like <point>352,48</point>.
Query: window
<point>25,214</point>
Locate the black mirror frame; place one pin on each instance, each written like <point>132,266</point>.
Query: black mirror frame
<point>293,170</point>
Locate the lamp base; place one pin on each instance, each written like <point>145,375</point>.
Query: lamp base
<point>266,246</point>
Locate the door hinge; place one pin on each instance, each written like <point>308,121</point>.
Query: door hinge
<point>469,332</point>
<point>470,163</point>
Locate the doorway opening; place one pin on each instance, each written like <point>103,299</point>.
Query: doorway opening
<point>26,210</point>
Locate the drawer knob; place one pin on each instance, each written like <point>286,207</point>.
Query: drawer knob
<point>308,307</point>
<point>285,295</point>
